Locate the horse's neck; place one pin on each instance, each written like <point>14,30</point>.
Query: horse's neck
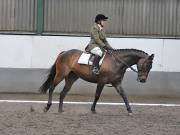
<point>130,60</point>
<point>130,56</point>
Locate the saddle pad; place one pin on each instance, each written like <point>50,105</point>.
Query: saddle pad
<point>84,58</point>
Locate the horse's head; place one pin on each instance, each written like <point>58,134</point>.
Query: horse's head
<point>144,65</point>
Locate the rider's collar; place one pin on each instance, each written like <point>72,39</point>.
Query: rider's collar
<point>100,27</point>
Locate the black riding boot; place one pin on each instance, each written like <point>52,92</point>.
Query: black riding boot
<point>95,66</point>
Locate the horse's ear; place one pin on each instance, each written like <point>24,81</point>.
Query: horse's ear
<point>151,57</point>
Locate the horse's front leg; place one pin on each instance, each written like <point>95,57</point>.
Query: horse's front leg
<point>97,95</point>
<point>121,92</point>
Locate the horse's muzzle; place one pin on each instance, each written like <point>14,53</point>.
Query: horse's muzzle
<point>142,80</point>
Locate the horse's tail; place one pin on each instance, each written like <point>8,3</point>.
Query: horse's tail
<point>46,85</point>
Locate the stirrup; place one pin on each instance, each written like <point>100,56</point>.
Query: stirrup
<point>95,70</point>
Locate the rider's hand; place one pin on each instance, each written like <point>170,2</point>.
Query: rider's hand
<point>110,51</point>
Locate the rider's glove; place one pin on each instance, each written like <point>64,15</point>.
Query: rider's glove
<point>108,50</point>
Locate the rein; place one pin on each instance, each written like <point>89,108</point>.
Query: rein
<point>125,64</point>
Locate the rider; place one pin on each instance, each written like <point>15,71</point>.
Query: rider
<point>98,43</point>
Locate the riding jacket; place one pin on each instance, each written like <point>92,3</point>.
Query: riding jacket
<point>98,38</point>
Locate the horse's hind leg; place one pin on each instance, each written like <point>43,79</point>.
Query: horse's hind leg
<point>69,80</point>
<point>97,95</point>
<point>51,89</point>
<point>58,78</point>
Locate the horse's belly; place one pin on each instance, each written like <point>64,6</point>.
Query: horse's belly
<point>85,73</point>
<point>88,78</point>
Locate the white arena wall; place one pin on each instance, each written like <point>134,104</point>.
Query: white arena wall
<point>24,60</point>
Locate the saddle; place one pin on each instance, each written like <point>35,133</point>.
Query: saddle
<point>88,58</point>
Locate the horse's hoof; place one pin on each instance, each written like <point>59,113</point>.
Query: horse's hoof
<point>130,114</point>
<point>60,111</point>
<point>93,111</point>
<point>45,109</point>
<point>32,109</point>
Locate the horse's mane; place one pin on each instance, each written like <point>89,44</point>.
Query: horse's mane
<point>131,51</point>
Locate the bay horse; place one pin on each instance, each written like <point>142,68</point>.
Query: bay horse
<point>112,72</point>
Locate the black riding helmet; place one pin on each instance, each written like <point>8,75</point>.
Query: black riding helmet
<point>100,17</point>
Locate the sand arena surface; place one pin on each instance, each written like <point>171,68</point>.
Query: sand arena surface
<point>19,119</point>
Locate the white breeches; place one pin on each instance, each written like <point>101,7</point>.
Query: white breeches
<point>97,51</point>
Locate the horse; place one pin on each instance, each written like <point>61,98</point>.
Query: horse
<point>112,72</point>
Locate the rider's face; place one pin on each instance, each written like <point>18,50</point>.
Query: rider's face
<point>104,23</point>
